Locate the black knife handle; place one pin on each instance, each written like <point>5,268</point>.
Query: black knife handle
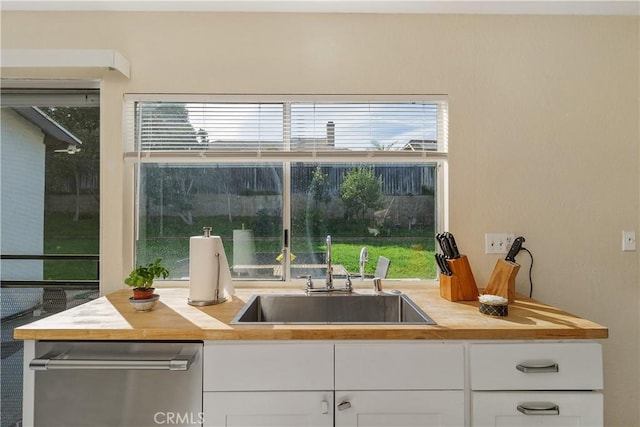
<point>442,263</point>
<point>439,263</point>
<point>447,269</point>
<point>446,248</point>
<point>515,248</point>
<point>439,238</point>
<point>452,243</point>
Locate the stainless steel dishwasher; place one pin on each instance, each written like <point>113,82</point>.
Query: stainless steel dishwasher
<point>80,383</point>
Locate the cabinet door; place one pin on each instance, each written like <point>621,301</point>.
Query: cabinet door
<point>399,408</point>
<point>268,409</point>
<point>536,408</point>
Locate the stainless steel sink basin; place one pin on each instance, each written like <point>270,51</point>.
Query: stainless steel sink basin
<point>332,309</point>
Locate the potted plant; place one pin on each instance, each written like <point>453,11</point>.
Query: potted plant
<point>141,279</point>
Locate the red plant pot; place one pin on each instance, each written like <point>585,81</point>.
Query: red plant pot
<point>143,293</point>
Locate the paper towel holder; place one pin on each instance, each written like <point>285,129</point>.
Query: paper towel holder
<point>216,296</point>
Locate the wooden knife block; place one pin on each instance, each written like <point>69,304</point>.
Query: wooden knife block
<point>503,280</point>
<point>461,286</point>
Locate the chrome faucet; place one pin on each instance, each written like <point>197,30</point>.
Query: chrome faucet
<point>329,280</point>
<point>328,287</point>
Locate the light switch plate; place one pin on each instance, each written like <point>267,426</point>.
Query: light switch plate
<point>628,240</point>
<point>498,243</point>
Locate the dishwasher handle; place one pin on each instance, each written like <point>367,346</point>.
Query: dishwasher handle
<point>50,363</point>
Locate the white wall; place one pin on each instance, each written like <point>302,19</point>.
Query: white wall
<point>544,133</point>
<point>22,153</point>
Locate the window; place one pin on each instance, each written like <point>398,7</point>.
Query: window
<point>49,211</point>
<point>273,176</point>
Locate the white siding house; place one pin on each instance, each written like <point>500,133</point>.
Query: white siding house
<point>22,205</point>
<point>25,133</point>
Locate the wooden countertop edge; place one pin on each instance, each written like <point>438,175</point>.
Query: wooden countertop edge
<point>173,319</point>
<point>310,333</point>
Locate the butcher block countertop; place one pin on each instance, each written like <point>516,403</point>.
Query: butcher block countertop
<point>111,317</point>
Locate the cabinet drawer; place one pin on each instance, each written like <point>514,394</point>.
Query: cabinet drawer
<point>536,408</point>
<point>267,366</point>
<point>389,366</point>
<point>536,366</point>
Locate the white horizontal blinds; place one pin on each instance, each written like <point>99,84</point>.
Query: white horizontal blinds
<point>389,126</point>
<point>234,127</point>
<point>300,127</point>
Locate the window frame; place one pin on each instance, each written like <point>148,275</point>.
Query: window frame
<point>132,156</point>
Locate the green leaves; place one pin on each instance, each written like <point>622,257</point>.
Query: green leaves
<point>143,275</point>
<point>361,190</point>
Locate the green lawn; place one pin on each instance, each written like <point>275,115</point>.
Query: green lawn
<point>407,260</point>
<point>65,236</point>
<point>411,252</point>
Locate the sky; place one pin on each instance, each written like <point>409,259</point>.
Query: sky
<point>356,125</point>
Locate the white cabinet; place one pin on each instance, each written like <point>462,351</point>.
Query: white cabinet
<point>400,408</point>
<point>536,366</point>
<point>267,365</point>
<point>267,384</point>
<point>536,408</point>
<point>402,383</point>
<point>268,409</point>
<point>399,384</point>
<point>399,366</point>
<point>536,384</point>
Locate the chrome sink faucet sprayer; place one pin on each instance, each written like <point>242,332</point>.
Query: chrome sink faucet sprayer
<point>364,257</point>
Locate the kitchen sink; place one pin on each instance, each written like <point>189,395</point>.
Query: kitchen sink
<point>331,309</point>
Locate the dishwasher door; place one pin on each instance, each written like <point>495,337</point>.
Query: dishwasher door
<point>117,383</point>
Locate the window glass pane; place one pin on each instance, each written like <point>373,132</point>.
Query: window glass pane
<point>364,126</point>
<point>387,208</point>
<point>72,221</point>
<point>241,202</point>
<point>50,190</point>
<point>210,126</point>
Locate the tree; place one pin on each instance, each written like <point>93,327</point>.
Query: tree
<point>319,187</point>
<point>171,187</point>
<point>84,123</point>
<point>313,219</point>
<point>361,190</point>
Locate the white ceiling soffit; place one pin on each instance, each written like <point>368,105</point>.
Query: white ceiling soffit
<point>509,7</point>
<point>66,58</point>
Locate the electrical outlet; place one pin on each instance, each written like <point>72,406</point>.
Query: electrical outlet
<point>628,240</point>
<point>498,243</point>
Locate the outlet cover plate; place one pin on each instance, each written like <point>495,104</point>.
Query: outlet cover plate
<point>498,243</point>
<point>628,241</point>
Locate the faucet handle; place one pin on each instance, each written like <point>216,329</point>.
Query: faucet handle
<point>348,285</point>
<point>309,281</point>
<point>377,285</point>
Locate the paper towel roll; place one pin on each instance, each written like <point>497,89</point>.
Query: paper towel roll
<point>208,271</point>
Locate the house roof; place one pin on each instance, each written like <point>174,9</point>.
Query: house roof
<point>414,145</point>
<point>54,130</point>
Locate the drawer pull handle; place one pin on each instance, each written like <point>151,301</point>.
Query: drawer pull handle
<point>539,408</point>
<point>537,367</point>
<point>325,407</point>
<point>344,405</point>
